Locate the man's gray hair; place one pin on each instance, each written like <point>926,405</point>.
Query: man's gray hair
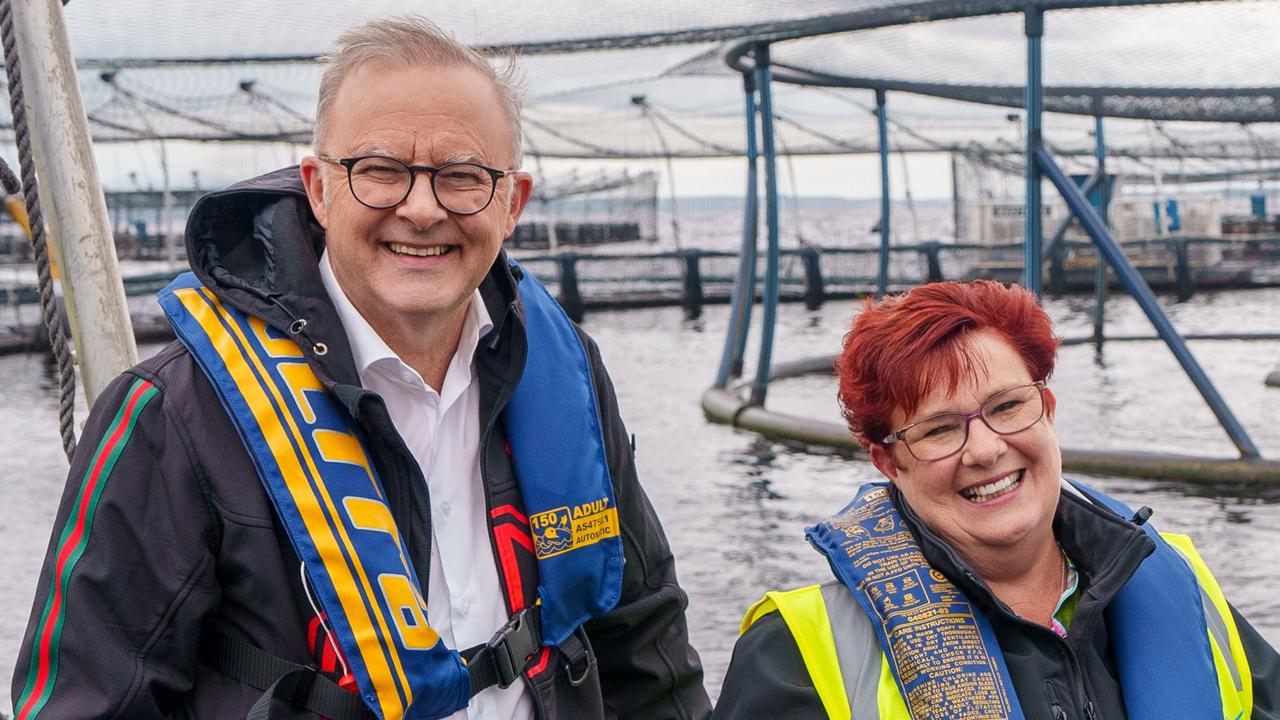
<point>411,40</point>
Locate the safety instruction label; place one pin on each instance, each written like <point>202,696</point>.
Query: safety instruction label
<point>944,664</point>
<point>563,529</point>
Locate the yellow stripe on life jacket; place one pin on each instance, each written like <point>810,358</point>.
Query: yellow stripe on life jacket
<point>317,510</point>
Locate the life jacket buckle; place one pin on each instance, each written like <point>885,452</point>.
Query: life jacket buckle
<point>513,645</point>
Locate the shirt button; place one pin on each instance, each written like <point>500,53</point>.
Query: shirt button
<point>464,608</point>
<point>407,375</point>
<point>446,508</point>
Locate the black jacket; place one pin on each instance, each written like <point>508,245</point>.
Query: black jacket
<point>767,677</point>
<point>182,537</point>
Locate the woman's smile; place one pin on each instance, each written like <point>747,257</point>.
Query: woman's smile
<point>991,491</point>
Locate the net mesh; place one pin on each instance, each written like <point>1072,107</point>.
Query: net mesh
<point>186,96</point>
<point>1193,60</point>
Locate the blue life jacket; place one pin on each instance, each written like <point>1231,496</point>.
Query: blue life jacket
<point>326,492</point>
<point>943,652</point>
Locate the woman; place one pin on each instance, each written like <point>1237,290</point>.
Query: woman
<point>977,583</point>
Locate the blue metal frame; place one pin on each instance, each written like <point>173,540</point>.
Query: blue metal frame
<point>1104,200</point>
<point>882,122</point>
<point>763,80</point>
<point>1040,163</point>
<point>1056,236</point>
<point>1032,260</point>
<point>744,290</point>
<point>1137,287</point>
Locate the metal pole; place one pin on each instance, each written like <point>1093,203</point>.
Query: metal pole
<point>744,290</point>
<point>1104,199</point>
<point>72,196</point>
<point>882,123</point>
<point>1137,287</point>
<point>166,207</point>
<point>955,200</point>
<point>1031,256</point>
<point>763,79</point>
<point>1157,176</point>
<point>749,298</point>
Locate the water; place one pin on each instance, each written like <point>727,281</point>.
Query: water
<point>734,506</point>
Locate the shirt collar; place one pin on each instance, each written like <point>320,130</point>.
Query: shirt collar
<point>367,347</point>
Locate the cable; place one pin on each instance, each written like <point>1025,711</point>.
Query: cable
<point>648,112</point>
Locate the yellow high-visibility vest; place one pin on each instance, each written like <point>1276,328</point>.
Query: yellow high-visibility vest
<point>854,680</point>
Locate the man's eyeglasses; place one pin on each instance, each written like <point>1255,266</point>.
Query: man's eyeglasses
<point>380,182</point>
<point>941,436</point>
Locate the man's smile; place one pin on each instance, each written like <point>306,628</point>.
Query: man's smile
<point>428,251</point>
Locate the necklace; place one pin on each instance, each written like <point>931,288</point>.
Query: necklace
<point>1062,587</point>
<point>1066,571</point>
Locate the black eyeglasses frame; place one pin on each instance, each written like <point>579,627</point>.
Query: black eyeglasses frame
<point>413,170</point>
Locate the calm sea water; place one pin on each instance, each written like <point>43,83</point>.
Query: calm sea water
<point>735,506</point>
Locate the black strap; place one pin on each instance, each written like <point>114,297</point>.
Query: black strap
<point>499,662</point>
<point>287,685</point>
<point>306,688</point>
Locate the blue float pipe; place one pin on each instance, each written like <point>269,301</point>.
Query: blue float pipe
<point>1137,287</point>
<point>744,289</point>
<point>1032,263</point>
<point>751,242</point>
<point>770,300</point>
<point>882,122</point>
<point>1104,199</point>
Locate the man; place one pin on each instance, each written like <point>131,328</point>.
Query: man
<point>370,414</point>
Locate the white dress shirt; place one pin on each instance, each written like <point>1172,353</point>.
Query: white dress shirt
<point>465,603</point>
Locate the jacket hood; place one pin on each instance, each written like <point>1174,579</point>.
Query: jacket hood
<point>256,237</point>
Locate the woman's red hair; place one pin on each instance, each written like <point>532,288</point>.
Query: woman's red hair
<point>900,348</point>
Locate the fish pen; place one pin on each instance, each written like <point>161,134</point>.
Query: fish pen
<point>893,48</point>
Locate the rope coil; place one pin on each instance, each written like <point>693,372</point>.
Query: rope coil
<point>35,215</point>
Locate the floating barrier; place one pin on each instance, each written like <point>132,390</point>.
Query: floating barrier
<point>814,274</point>
<point>538,235</point>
